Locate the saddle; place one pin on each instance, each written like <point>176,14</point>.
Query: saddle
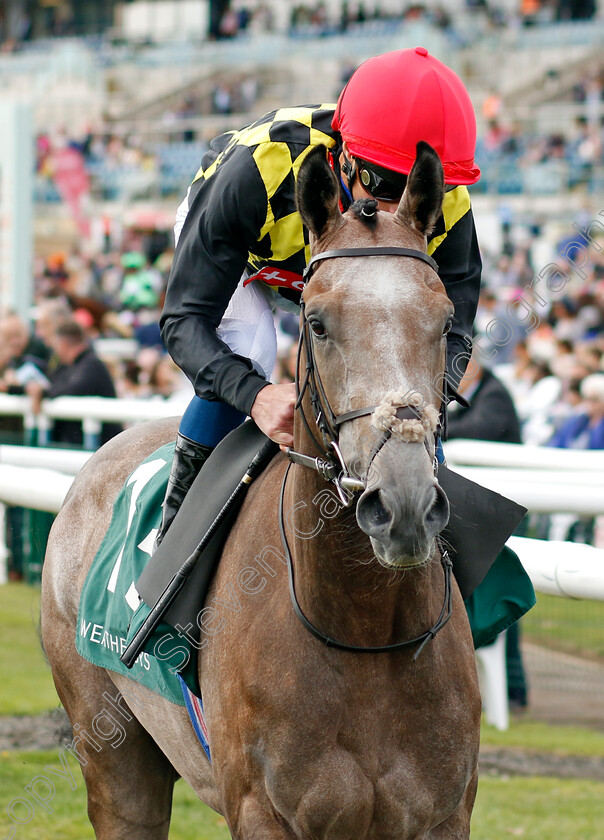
<point>479,525</point>
<point>213,486</point>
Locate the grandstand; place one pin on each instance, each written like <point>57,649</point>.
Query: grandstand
<point>145,102</point>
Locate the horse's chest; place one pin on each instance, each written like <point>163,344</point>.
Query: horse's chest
<point>397,798</point>
<point>370,781</point>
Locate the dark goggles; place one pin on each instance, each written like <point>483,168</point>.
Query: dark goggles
<point>384,184</point>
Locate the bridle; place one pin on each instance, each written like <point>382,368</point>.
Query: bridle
<point>331,466</point>
<point>330,463</point>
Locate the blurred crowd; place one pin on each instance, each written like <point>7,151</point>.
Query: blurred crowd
<point>236,19</point>
<point>581,147</point>
<point>324,19</point>
<point>93,331</point>
<point>581,144</point>
<point>541,331</point>
<point>125,164</point>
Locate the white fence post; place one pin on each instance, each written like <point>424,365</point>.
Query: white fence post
<point>493,679</point>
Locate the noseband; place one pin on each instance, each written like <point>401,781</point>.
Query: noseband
<point>330,463</point>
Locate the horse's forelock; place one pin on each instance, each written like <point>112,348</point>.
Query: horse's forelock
<point>365,209</point>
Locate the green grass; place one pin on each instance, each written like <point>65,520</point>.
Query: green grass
<point>538,809</point>
<point>566,625</point>
<point>26,687</point>
<point>506,807</point>
<point>68,820</point>
<point>535,736</point>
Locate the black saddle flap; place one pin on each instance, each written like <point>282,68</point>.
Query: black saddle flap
<point>479,525</point>
<point>220,475</point>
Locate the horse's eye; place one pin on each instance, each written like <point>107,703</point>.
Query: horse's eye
<point>317,327</point>
<point>448,325</point>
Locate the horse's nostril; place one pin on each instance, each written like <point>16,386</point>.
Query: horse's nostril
<point>373,515</point>
<point>438,515</point>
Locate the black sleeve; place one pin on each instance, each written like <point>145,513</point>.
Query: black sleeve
<point>86,377</point>
<point>491,416</point>
<point>226,215</point>
<point>460,268</point>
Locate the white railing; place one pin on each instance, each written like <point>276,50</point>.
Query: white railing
<point>544,480</point>
<point>100,409</point>
<point>91,411</point>
<point>33,487</point>
<point>481,453</point>
<point>566,569</point>
<point>69,461</point>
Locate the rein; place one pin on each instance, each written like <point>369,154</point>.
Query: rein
<point>330,463</point>
<point>421,640</point>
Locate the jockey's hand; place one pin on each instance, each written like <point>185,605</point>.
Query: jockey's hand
<point>273,412</point>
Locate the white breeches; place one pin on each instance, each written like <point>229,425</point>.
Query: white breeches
<point>247,326</point>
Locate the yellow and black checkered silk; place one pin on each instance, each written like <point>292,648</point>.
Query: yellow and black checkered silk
<point>278,143</point>
<point>242,215</point>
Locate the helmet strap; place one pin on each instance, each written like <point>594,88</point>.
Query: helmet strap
<point>350,170</point>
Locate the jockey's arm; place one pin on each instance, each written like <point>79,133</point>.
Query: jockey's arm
<point>225,217</point>
<point>460,266</point>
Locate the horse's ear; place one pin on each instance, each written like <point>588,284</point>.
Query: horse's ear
<point>422,201</point>
<point>317,193</point>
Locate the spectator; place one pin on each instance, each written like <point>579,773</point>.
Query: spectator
<point>48,316</point>
<point>491,414</point>
<point>25,356</point>
<point>79,373</point>
<point>585,430</point>
<point>168,382</point>
<point>16,337</point>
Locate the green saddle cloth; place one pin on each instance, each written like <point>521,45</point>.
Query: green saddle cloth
<point>110,610</point>
<point>109,607</point>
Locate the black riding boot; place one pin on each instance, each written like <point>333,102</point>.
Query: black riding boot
<point>189,458</point>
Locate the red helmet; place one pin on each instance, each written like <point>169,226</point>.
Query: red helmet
<point>394,100</point>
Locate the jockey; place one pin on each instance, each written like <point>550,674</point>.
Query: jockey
<point>241,246</point>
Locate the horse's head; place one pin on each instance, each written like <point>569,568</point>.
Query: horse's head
<point>376,330</point>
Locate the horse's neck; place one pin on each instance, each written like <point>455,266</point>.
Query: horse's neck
<point>340,585</point>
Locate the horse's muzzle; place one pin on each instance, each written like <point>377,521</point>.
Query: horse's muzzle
<point>402,527</point>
